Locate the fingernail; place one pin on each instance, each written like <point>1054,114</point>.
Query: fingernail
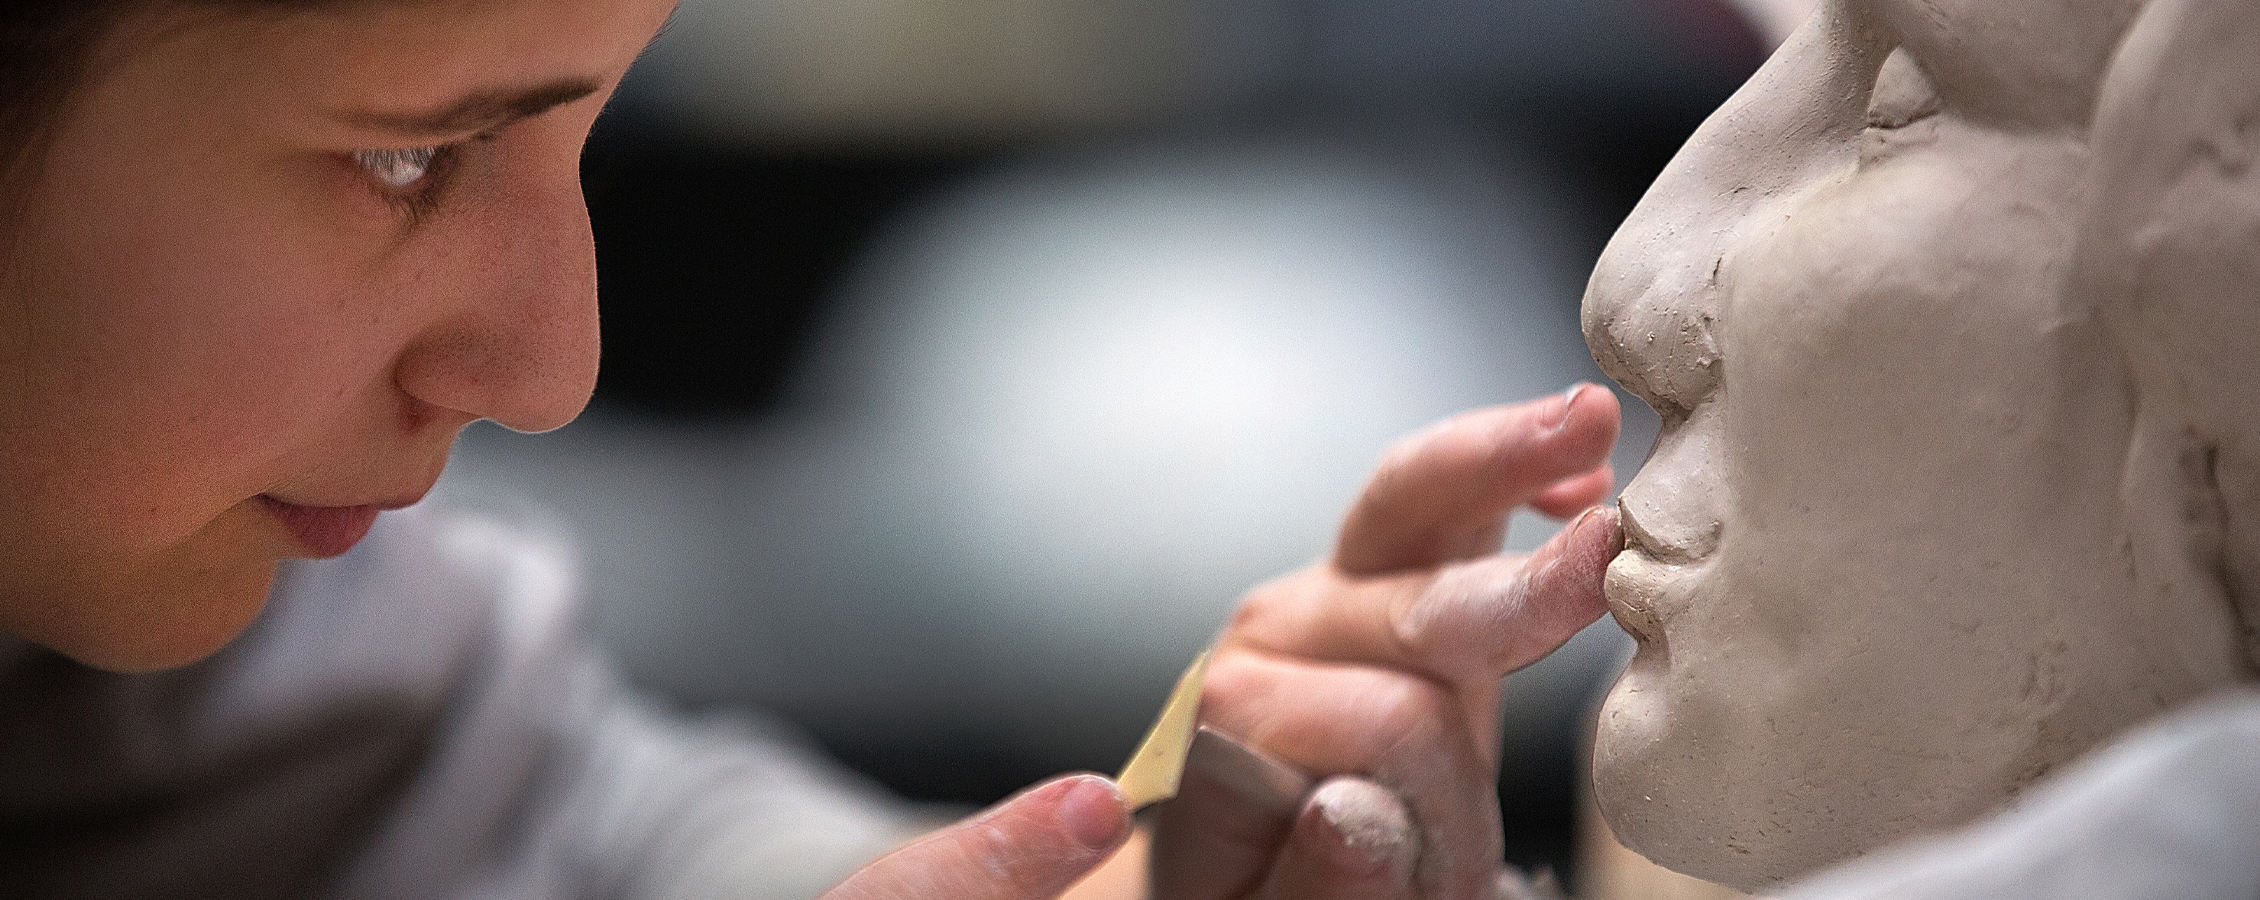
<point>1092,812</point>
<point>1557,413</point>
<point>1370,828</point>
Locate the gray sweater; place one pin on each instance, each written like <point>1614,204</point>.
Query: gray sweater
<point>425,717</point>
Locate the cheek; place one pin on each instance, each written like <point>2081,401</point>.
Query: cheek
<point>1904,330</point>
<point>1920,442</point>
<point>171,355</point>
<point>176,346</point>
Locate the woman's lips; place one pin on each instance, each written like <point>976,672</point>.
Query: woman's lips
<point>325,531</point>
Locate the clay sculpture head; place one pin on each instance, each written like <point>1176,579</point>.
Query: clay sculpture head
<point>1953,318</point>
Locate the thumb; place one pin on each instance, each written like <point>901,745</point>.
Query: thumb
<point>1355,840</point>
<point>1032,846</point>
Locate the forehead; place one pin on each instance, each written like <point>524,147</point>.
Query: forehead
<point>382,56</point>
<point>2029,62</point>
<point>420,54</point>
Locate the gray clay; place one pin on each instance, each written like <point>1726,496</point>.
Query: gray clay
<point>1953,316</point>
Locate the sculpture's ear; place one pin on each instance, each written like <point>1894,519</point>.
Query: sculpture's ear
<point>2170,259</point>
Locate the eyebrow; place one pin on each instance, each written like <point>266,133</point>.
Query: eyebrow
<point>479,111</point>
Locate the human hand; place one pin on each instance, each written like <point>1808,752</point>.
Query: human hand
<point>1032,846</point>
<point>1378,669</point>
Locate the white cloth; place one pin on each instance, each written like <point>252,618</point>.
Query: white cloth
<point>424,717</point>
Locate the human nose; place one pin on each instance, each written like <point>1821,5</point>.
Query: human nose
<point>518,343</point>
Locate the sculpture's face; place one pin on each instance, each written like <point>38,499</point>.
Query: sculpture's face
<point>1881,568</point>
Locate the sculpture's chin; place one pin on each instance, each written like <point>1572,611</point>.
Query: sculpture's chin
<point>1671,797</point>
<point>1710,778</point>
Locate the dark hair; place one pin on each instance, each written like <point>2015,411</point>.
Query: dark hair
<point>44,49</point>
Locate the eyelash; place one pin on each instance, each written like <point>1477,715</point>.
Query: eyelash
<point>411,180</point>
<point>397,168</point>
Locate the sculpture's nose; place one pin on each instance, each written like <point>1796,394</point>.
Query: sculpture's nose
<point>1652,328</point>
<point>1659,290</point>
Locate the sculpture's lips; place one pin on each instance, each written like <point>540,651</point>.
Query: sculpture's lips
<point>1691,548</point>
<point>1649,567</point>
<point>1633,582</point>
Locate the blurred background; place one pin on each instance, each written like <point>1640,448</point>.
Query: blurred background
<point>966,359</point>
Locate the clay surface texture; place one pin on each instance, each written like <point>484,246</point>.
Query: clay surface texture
<point>1952,316</point>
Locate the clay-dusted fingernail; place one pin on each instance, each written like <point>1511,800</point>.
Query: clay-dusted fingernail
<point>1094,813</point>
<point>1557,412</point>
<point>1370,831</point>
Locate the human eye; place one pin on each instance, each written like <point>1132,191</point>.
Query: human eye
<point>410,179</point>
<point>398,169</point>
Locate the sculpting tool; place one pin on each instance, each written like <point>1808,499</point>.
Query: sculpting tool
<point>1176,743</point>
<point>1154,771</point>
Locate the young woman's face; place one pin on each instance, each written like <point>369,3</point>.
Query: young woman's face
<point>247,307</point>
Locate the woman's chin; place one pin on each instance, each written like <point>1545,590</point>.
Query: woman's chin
<point>162,622</point>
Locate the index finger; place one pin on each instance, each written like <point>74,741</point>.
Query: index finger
<point>1443,494</point>
<point>1468,623</point>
